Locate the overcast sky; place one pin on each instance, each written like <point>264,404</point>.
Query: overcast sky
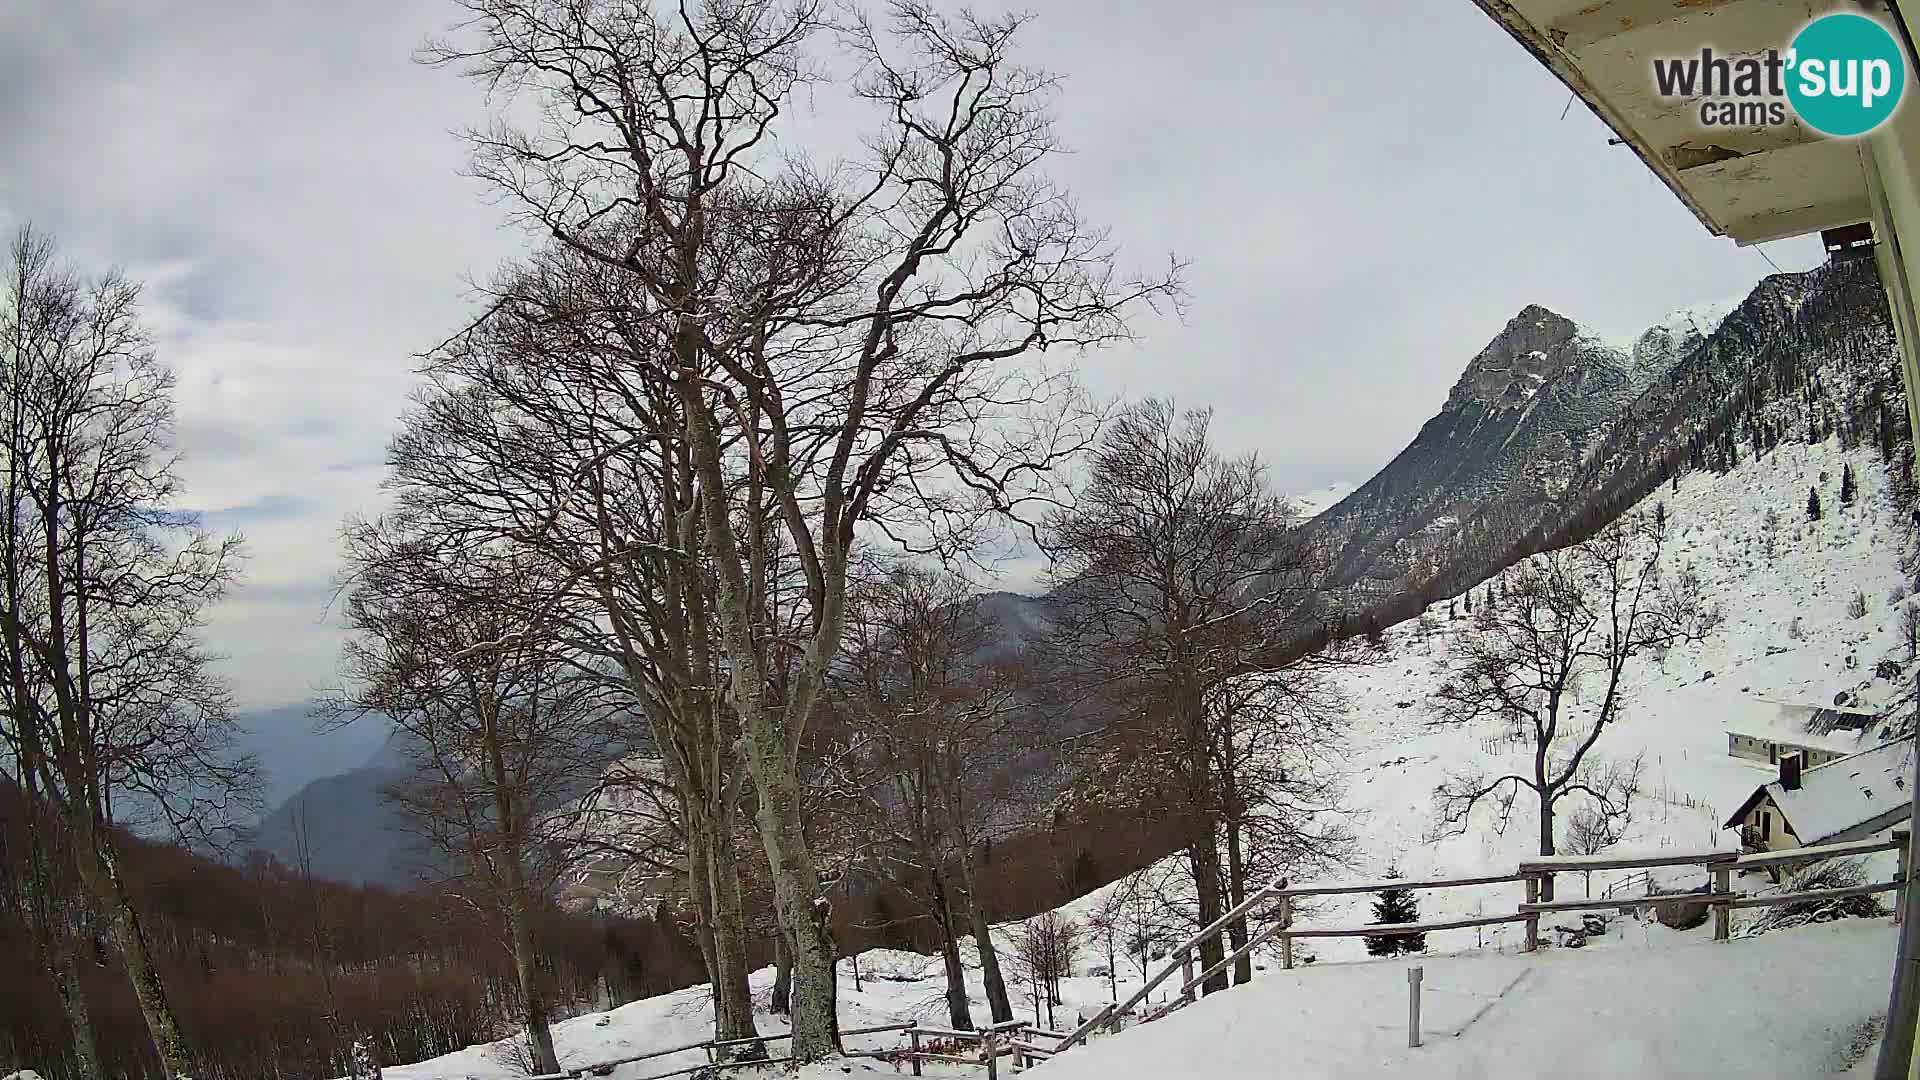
<point>1367,192</point>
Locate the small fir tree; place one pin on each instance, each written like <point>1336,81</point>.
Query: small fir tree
<point>1392,907</point>
<point>1846,485</point>
<point>1813,504</point>
<point>1374,637</point>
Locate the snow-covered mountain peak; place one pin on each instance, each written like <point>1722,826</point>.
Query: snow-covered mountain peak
<point>1659,347</point>
<point>1534,349</point>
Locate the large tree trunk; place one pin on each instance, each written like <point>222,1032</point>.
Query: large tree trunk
<point>100,873</point>
<point>797,902</point>
<point>999,1005</point>
<point>1203,857</point>
<point>73,1001</point>
<point>733,1000</point>
<point>782,974</point>
<point>700,891</point>
<point>765,731</point>
<point>1546,845</point>
<point>86,1057</point>
<point>958,1014</point>
<point>48,914</point>
<point>1237,894</point>
<point>533,998</point>
<point>1543,789</point>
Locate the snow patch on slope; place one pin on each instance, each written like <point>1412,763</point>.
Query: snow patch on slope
<point>1787,637</point>
<point>1311,504</point>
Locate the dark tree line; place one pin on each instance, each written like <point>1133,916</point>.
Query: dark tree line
<point>267,966</point>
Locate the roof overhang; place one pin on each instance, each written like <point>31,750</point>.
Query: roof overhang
<point>1746,808</point>
<point>1752,184</point>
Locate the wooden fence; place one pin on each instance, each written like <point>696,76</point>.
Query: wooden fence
<point>1534,874</point>
<point>1015,1039</point>
<point>1025,1044</point>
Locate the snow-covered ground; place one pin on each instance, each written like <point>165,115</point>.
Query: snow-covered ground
<point>1786,637</point>
<point>1784,1005</point>
<point>1642,1000</point>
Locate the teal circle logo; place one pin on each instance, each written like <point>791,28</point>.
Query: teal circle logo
<point>1845,74</point>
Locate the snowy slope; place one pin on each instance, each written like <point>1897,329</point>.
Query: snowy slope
<point>1677,713</point>
<point>1392,761</point>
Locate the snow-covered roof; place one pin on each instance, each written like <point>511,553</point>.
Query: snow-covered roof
<point>1842,794</point>
<point>1819,727</point>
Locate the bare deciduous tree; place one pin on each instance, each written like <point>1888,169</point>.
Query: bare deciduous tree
<point>504,731</point>
<point>1548,659</point>
<point>938,714</point>
<point>1186,603</point>
<point>1047,947</point>
<point>1599,825</point>
<point>109,705</point>
<point>549,425</point>
<point>838,339</point>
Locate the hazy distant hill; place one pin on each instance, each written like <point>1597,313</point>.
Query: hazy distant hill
<point>354,836</point>
<point>292,754</point>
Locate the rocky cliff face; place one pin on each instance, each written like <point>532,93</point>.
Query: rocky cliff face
<point>1551,429</point>
<point>1513,431</point>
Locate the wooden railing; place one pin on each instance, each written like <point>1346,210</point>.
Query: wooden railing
<point>1023,1042</point>
<point>1184,955</point>
<point>1720,898</point>
<point>1534,874</point>
<point>1010,1038</point>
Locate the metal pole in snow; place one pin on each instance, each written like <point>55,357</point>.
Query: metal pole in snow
<point>1413,1005</point>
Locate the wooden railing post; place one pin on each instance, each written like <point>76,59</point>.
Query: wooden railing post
<point>1533,917</point>
<point>1722,909</point>
<point>1900,837</point>
<point>913,1033</point>
<point>1186,976</point>
<point>1286,939</point>
<point>991,1053</point>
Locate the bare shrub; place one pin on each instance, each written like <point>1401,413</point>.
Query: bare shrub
<point>1046,950</point>
<point>1832,874</point>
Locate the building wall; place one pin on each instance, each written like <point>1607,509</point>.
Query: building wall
<point>1779,835</point>
<point>1892,159</point>
<point>1754,748</point>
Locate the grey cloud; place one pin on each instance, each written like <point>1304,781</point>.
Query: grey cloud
<point>1367,192</point>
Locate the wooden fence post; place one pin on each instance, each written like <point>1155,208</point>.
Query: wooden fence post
<point>1413,1005</point>
<point>1722,909</point>
<point>1286,939</point>
<point>1186,976</point>
<point>1533,917</point>
<point>1900,836</point>
<point>992,1054</point>
<point>913,1033</point>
